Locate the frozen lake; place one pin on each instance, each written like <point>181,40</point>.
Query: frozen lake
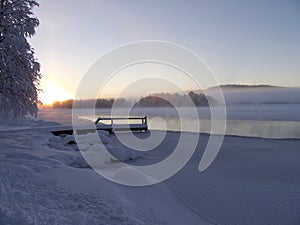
<point>268,121</point>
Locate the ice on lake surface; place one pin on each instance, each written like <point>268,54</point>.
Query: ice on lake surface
<point>261,120</point>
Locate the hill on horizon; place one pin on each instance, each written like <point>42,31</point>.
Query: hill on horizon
<point>247,86</point>
<point>257,94</point>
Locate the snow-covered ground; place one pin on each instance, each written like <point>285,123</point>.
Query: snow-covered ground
<point>44,180</point>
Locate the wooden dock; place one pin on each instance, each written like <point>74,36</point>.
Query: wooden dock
<point>115,126</point>
<point>111,125</point>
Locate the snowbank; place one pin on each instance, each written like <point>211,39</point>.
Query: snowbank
<point>45,180</point>
<point>29,197</point>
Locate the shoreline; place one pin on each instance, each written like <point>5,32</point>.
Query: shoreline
<point>232,135</point>
<point>57,126</point>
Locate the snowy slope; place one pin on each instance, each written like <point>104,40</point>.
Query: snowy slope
<point>44,180</point>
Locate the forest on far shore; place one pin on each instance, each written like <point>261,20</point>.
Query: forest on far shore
<point>154,100</point>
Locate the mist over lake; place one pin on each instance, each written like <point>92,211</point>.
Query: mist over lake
<point>260,120</point>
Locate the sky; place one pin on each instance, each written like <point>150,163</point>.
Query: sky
<point>248,42</point>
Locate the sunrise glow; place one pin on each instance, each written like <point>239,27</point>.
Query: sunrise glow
<point>53,92</point>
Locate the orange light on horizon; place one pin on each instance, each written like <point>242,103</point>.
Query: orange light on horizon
<point>52,93</point>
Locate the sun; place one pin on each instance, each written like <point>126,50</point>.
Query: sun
<point>52,93</point>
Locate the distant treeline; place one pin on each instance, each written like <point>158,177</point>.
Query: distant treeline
<point>155,100</point>
<point>165,99</point>
<point>100,103</point>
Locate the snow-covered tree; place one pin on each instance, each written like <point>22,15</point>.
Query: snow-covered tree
<point>19,69</point>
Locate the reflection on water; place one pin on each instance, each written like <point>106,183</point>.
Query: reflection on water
<point>268,121</point>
